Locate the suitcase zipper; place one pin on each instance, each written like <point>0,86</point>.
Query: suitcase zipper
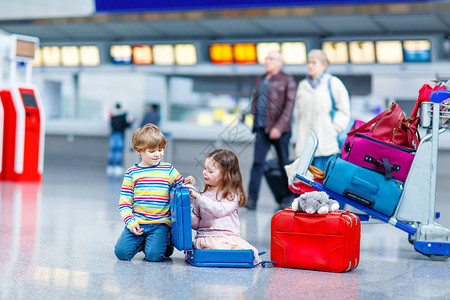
<point>405,149</point>
<point>356,218</point>
<point>351,222</point>
<point>351,225</point>
<point>349,266</point>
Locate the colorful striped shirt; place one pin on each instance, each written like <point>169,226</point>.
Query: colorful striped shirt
<point>144,197</point>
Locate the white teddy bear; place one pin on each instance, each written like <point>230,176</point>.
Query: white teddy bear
<point>315,202</point>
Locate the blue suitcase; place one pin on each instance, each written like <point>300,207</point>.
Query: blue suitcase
<point>180,208</point>
<point>363,185</point>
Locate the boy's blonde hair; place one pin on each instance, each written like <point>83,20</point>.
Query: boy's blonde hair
<point>148,136</point>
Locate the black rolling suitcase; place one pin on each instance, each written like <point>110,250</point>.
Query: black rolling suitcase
<point>283,195</point>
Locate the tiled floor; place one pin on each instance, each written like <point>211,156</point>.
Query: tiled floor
<point>57,239</point>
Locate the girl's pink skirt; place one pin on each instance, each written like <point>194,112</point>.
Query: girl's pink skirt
<point>226,243</point>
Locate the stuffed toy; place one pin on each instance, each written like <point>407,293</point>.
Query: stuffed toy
<point>315,202</point>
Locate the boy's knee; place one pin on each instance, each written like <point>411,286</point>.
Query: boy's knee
<point>123,255</point>
<point>154,256</point>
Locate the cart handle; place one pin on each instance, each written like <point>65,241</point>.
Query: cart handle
<point>439,96</point>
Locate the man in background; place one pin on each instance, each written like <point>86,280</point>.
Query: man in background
<point>272,105</point>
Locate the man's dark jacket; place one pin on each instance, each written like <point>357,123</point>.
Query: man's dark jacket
<point>281,97</point>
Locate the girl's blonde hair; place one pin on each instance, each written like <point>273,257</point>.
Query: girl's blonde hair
<point>231,183</point>
<point>148,136</point>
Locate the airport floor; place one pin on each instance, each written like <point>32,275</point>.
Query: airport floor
<point>57,239</point>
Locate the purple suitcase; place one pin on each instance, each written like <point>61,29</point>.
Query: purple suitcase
<point>388,159</point>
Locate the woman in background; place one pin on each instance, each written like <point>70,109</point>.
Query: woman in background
<point>323,105</point>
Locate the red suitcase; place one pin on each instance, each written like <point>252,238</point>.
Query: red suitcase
<point>324,242</point>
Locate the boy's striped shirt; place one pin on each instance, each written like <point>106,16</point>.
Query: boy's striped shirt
<point>144,197</point>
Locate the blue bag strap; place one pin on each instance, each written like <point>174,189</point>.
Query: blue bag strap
<point>387,168</point>
<point>264,262</point>
<point>333,103</point>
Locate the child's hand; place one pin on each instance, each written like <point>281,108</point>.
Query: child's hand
<point>189,180</point>
<point>137,230</point>
<point>192,191</point>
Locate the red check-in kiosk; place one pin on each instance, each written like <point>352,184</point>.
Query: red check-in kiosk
<point>23,132</point>
<point>23,142</point>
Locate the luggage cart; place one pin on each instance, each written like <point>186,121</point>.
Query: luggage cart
<point>415,214</point>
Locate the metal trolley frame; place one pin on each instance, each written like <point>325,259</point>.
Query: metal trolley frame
<point>415,213</point>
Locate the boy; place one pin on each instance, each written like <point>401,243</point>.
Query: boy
<point>144,199</point>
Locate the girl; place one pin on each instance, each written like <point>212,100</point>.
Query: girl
<point>215,210</point>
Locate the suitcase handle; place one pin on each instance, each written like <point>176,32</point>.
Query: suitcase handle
<point>358,198</point>
<point>365,183</point>
<point>383,163</point>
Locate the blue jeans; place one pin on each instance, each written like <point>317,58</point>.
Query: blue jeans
<point>116,144</point>
<point>321,162</point>
<point>153,242</point>
<point>262,146</point>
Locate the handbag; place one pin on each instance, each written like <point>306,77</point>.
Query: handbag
<point>342,136</point>
<point>391,126</point>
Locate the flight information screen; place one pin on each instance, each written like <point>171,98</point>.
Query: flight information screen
<point>29,100</point>
<point>25,48</point>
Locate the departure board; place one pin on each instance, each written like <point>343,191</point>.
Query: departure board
<point>362,52</point>
<point>417,51</point>
<point>337,52</point>
<point>293,53</point>
<point>262,49</point>
<point>244,53</point>
<point>142,55</point>
<point>121,54</point>
<point>389,52</point>
<point>70,56</point>
<point>221,53</point>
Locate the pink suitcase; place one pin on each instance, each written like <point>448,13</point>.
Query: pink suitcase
<point>391,160</point>
<point>349,140</point>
